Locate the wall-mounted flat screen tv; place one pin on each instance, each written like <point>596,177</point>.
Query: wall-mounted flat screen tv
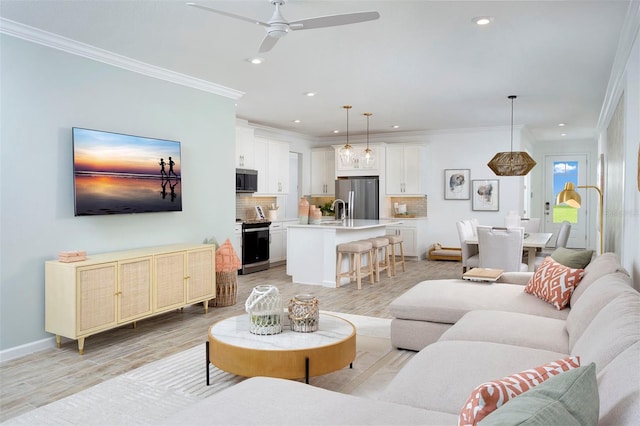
<point>115,173</point>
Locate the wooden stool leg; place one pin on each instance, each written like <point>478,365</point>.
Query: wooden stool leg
<point>358,276</point>
<point>387,264</point>
<point>339,269</point>
<point>376,263</point>
<point>371,276</point>
<point>393,259</point>
<point>402,256</point>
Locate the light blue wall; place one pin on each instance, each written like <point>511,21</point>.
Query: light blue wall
<point>45,92</point>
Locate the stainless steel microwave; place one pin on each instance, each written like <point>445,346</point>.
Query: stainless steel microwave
<point>246,180</point>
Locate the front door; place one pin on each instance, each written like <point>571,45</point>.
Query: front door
<point>560,169</point>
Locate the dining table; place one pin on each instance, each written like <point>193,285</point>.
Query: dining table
<point>531,243</point>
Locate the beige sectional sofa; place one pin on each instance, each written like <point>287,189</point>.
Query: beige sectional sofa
<point>469,333</point>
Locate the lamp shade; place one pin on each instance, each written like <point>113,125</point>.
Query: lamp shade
<point>569,196</point>
<point>512,163</point>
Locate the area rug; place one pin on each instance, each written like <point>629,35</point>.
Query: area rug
<point>152,392</point>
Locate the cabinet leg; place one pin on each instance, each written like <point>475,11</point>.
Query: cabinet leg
<point>134,324</point>
<point>58,341</point>
<point>81,345</point>
<point>205,304</point>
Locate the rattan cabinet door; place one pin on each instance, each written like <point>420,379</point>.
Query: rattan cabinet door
<point>96,298</point>
<point>170,276</point>
<point>134,289</point>
<point>201,282</point>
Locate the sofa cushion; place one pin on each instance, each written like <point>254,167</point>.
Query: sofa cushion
<point>268,401</point>
<point>619,385</point>
<point>446,301</point>
<point>490,396</point>
<point>554,282</point>
<point>570,398</point>
<point>602,265</point>
<point>577,259</point>
<point>441,376</point>
<point>594,298</point>
<point>615,328</point>
<point>511,328</point>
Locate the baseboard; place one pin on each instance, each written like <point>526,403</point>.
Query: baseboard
<point>26,349</point>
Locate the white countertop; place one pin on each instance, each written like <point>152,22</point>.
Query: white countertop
<point>348,224</point>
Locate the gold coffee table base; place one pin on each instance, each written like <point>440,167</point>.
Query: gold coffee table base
<point>288,355</point>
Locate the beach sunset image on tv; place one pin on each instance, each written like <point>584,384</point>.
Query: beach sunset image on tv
<point>116,173</point>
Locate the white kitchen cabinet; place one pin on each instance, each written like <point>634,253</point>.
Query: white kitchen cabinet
<point>357,165</point>
<point>237,240</point>
<point>245,156</point>
<point>272,163</point>
<point>323,172</point>
<point>406,174</point>
<point>111,289</point>
<point>277,242</point>
<point>414,236</point>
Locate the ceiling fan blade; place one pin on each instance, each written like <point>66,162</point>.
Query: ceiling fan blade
<point>230,15</point>
<point>267,43</point>
<point>333,20</point>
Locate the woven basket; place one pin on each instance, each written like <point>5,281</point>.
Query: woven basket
<point>226,289</point>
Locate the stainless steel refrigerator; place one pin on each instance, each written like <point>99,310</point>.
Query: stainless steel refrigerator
<point>361,197</point>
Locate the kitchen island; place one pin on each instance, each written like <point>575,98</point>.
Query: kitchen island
<point>311,249</point>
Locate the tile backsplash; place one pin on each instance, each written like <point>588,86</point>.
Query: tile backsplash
<point>415,205</point>
<point>246,205</point>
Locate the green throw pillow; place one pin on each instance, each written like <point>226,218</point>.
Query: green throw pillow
<point>570,398</point>
<point>576,259</point>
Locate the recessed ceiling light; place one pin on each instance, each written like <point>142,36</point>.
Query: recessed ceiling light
<point>395,126</point>
<point>482,20</point>
<point>296,121</point>
<point>336,131</point>
<point>561,124</point>
<point>563,134</point>
<point>256,60</point>
<point>310,94</point>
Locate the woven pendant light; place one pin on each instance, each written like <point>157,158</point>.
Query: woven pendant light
<point>511,163</point>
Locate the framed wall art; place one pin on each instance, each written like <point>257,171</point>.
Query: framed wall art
<point>456,184</point>
<point>486,195</point>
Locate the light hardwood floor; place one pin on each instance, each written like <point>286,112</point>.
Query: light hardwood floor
<point>46,376</point>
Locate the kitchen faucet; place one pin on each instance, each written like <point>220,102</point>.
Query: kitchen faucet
<point>333,206</point>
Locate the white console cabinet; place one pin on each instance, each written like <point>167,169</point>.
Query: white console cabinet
<point>111,289</point>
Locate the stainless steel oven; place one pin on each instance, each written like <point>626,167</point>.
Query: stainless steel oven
<point>255,246</point>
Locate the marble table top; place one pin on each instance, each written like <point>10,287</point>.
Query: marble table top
<point>234,331</point>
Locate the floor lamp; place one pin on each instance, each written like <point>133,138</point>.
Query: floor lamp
<point>570,197</point>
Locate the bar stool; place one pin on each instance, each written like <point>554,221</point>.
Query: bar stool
<point>393,240</point>
<point>354,250</point>
<point>380,246</point>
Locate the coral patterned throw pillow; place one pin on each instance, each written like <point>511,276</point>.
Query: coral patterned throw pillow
<point>490,396</point>
<point>554,282</point>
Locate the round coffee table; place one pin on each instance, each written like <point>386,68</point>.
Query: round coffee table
<point>288,355</point>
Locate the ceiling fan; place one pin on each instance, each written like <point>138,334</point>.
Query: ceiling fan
<point>277,27</point>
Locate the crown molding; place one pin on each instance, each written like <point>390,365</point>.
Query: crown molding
<point>628,36</point>
<point>54,41</point>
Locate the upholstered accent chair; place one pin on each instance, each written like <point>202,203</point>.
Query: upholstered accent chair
<point>501,248</point>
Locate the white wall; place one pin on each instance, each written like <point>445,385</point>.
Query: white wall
<point>468,150</point>
<point>45,92</point>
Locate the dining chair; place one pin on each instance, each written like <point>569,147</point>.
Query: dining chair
<point>561,241</point>
<point>469,252</point>
<point>501,248</point>
<point>531,225</point>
